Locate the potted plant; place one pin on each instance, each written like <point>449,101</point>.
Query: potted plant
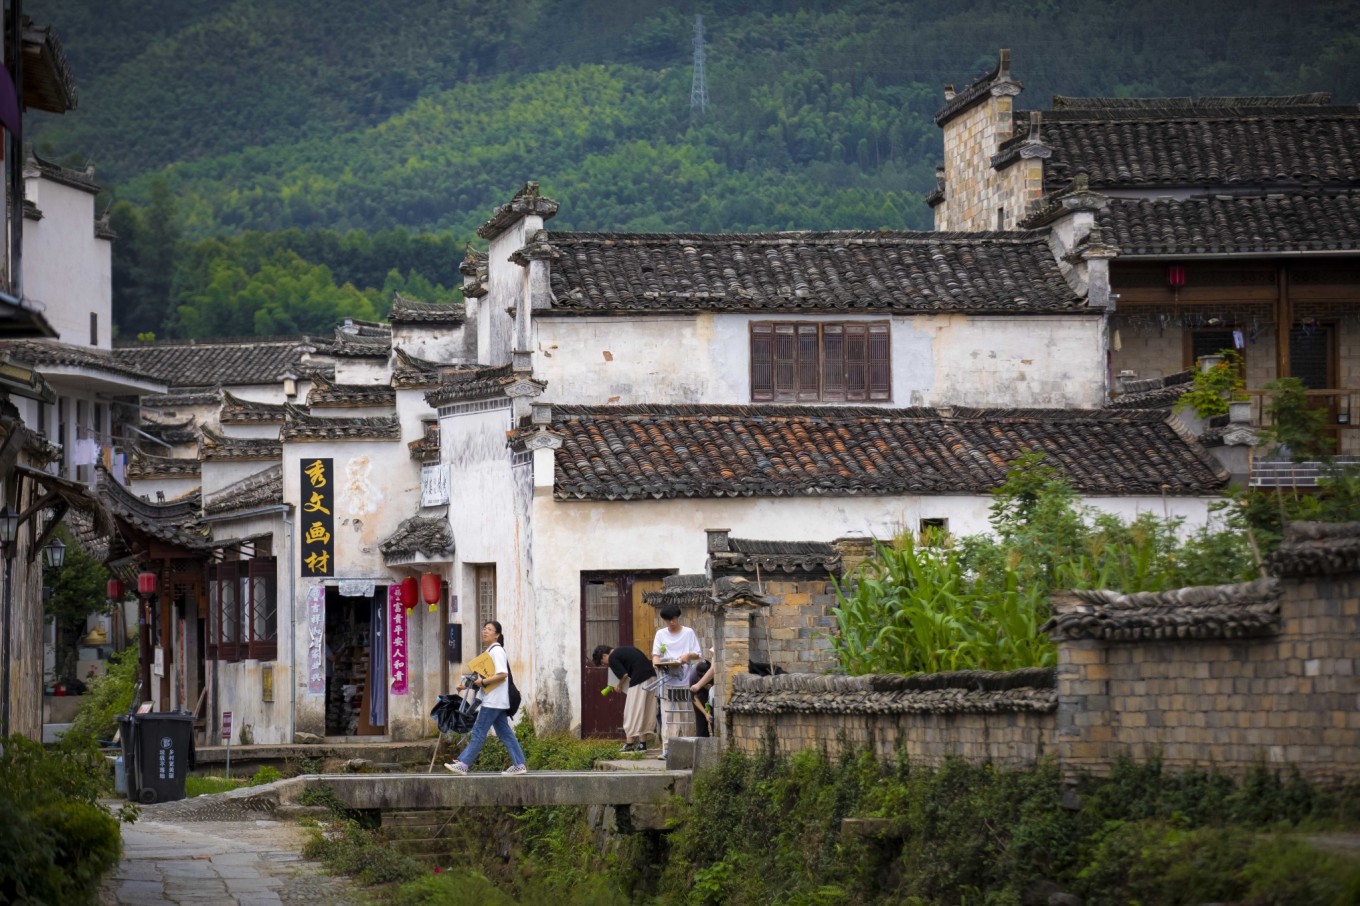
<point>1217,383</point>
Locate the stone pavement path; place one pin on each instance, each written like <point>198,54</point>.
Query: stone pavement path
<point>177,854</point>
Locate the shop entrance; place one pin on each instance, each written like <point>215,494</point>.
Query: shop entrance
<point>354,648</point>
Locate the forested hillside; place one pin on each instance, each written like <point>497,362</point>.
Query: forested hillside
<point>340,115</point>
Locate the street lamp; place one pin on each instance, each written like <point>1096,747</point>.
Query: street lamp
<point>54,555</point>
<point>9,530</point>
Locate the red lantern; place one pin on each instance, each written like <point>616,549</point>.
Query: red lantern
<point>408,592</point>
<point>146,584</point>
<point>429,588</point>
<point>114,590</point>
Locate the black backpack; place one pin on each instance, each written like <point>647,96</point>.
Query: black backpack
<point>456,713</point>
<point>514,690</point>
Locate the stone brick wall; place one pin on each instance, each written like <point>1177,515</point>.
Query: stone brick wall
<point>973,191</point>
<point>891,715</point>
<point>795,632</point>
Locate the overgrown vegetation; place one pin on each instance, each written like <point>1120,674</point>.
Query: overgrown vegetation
<point>107,697</point>
<point>56,841</point>
<point>764,829</point>
<point>77,591</point>
<point>978,604</point>
<point>1212,388</point>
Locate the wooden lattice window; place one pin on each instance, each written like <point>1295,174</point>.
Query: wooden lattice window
<point>798,361</point>
<point>243,610</point>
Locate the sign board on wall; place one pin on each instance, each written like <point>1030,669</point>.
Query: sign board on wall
<point>317,519</point>
<point>226,726</point>
<point>434,484</point>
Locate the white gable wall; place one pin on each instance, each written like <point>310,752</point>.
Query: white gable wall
<point>67,269</point>
<point>1035,361</point>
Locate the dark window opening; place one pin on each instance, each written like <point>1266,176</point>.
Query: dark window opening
<point>826,362</point>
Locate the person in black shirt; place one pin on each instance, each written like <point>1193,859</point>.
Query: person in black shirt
<point>632,672</point>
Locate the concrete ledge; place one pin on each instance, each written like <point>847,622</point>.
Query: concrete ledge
<point>445,790</point>
<point>693,753</point>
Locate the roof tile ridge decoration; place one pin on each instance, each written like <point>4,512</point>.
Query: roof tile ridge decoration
<point>1244,610</point>
<point>429,536</point>
<point>302,427</point>
<point>220,447</point>
<point>66,176</point>
<point>1318,549</point>
<point>359,339</point>
<point>850,412</point>
<point>325,393</point>
<point>45,36</point>
<point>998,82</point>
<point>687,591</point>
<point>479,381</point>
<point>475,273</point>
<point>290,340</point>
<point>103,228</point>
<point>239,411</point>
<point>148,465</point>
<point>1027,144</point>
<point>1076,195</point>
<point>1032,690</point>
<point>407,310</point>
<point>264,488</point>
<point>789,237</point>
<point>526,201</point>
<point>185,398</point>
<point>1313,99</point>
<point>761,557</point>
<point>936,196</point>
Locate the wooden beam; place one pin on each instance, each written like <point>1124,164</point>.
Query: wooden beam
<point>1284,321</point>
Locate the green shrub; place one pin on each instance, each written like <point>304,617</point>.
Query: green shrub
<point>265,774</point>
<point>56,841</point>
<point>350,849</point>
<point>107,697</point>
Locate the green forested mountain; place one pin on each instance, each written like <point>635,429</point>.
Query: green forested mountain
<point>420,116</point>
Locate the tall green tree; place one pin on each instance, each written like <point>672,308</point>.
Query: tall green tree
<point>77,591</point>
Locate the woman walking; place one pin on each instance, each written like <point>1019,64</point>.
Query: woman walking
<point>494,693</point>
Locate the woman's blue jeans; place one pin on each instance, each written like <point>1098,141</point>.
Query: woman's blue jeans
<point>486,719</point>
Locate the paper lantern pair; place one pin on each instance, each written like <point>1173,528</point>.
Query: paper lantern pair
<point>428,589</point>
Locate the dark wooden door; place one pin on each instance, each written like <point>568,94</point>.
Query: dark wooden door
<point>608,604</point>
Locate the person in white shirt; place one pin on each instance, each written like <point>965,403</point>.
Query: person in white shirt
<point>674,649</point>
<point>494,712</point>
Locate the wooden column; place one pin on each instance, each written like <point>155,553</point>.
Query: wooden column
<point>1284,322</point>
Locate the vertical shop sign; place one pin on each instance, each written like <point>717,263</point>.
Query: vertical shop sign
<point>316,640</point>
<point>317,522</point>
<point>396,663</point>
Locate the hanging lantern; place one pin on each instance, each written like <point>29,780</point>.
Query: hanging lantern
<point>408,592</point>
<point>1175,278</point>
<point>114,590</point>
<point>146,584</point>
<point>429,590</point>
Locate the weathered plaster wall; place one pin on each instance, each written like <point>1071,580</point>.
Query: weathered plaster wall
<point>67,269</point>
<point>937,360</point>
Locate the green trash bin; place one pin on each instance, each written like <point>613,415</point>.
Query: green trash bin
<point>163,756</point>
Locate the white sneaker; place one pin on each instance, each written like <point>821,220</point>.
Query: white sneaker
<point>456,767</point>
<point>515,769</point>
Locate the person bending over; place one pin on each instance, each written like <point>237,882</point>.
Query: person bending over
<point>633,673</point>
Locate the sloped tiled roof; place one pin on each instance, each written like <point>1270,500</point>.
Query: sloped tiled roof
<point>472,382</point>
<point>425,535</point>
<point>326,394</point>
<point>1207,142</point>
<point>1153,393</point>
<point>1221,224</point>
<point>979,89</point>
<point>43,354</point>
<point>261,489</point>
<point>175,522</point>
<point>689,591</point>
<point>751,556</point>
<point>1203,612</point>
<point>425,449</point>
<point>229,362</point>
<point>184,431</point>
<point>641,452</point>
<point>413,373</point>
<point>357,339</point>
<point>1008,272</point>
<point>413,311</point>
<point>238,411</point>
<point>220,447</point>
<point>1318,549</point>
<point>148,465</point>
<point>301,427</point>
<point>181,400</point>
<point>1031,690</point>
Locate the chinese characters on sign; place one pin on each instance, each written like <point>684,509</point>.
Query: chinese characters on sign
<point>317,520</point>
<point>397,665</point>
<point>166,763</point>
<point>316,628</point>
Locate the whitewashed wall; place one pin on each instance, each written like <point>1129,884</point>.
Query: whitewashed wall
<point>67,270</point>
<point>1037,361</point>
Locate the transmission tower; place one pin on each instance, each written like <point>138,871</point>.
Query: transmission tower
<point>698,92</point>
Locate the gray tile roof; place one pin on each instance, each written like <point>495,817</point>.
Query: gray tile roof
<point>326,394</point>
<point>1010,272</point>
<point>646,452</point>
<point>427,536</point>
<point>745,555</point>
<point>238,411</point>
<point>229,362</point>
<point>689,591</point>
<point>220,447</point>
<point>1221,224</point>
<point>175,522</point>
<point>184,431</point>
<point>302,427</point>
<point>1153,393</point>
<point>413,373</point>
<point>1203,612</point>
<point>1226,142</point>
<point>1318,549</point>
<point>357,339</point>
<point>413,311</point>
<point>261,489</point>
<point>148,465</point>
<point>475,382</point>
<point>1032,690</point>
<point>43,354</point>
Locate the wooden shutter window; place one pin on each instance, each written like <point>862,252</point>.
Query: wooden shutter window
<point>214,615</point>
<point>880,363</point>
<point>833,363</point>
<point>762,362</point>
<point>263,613</point>
<point>809,363</point>
<point>856,362</point>
<point>785,362</point>
<point>229,603</point>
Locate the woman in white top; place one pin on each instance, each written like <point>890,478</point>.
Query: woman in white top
<point>675,644</point>
<point>495,710</point>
